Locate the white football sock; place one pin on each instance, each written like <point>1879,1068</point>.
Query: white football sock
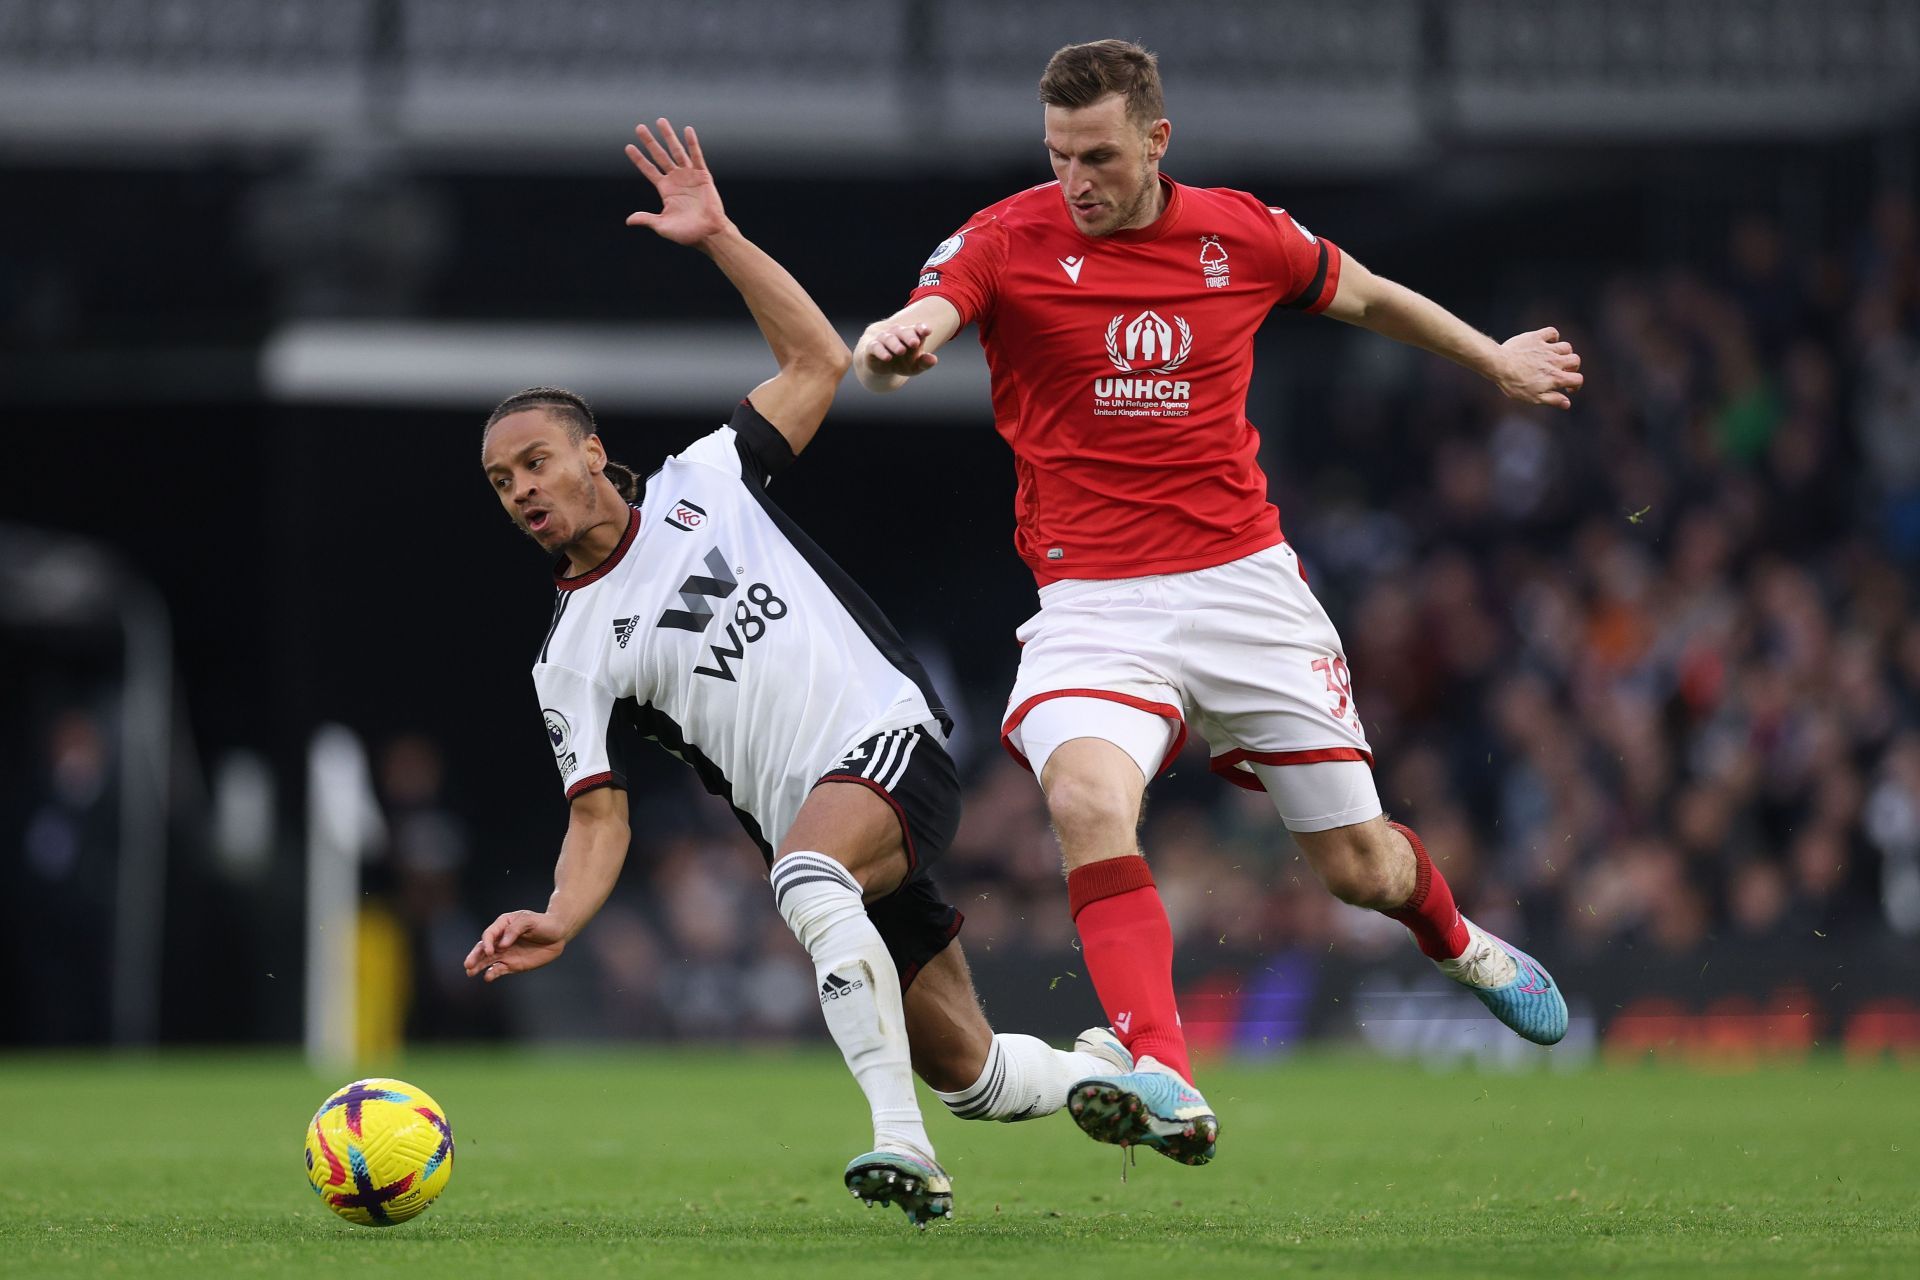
<point>1024,1079</point>
<point>859,991</point>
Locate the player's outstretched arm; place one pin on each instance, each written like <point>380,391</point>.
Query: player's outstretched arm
<point>902,345</point>
<point>1533,368</point>
<point>590,861</point>
<point>812,357</point>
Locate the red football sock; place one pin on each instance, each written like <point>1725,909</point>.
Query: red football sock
<point>1430,913</point>
<point>1129,948</point>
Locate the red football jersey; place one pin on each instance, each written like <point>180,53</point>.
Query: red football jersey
<point>1120,369</point>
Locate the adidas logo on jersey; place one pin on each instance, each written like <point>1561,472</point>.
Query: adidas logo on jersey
<point>623,629</point>
<point>836,986</point>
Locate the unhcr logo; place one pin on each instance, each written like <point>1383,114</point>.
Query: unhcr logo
<point>1149,340</point>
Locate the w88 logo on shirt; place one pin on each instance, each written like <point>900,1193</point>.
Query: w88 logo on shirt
<point>747,624</point>
<point>772,609</point>
<point>746,628</point>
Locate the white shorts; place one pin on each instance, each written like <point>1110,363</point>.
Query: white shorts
<point>1242,652</point>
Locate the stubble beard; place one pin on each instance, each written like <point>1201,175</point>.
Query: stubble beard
<point>1125,216</point>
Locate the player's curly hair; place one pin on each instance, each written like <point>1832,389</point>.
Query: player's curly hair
<point>1079,75</point>
<point>577,417</point>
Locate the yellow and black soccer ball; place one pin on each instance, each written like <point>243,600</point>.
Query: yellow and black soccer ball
<point>379,1151</point>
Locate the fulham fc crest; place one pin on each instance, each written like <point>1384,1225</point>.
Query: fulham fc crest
<point>686,516</point>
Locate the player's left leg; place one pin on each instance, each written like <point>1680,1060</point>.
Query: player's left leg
<point>1384,866</point>
<point>979,1073</point>
<point>1274,698</point>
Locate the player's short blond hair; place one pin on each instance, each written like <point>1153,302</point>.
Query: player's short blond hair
<point>1080,75</point>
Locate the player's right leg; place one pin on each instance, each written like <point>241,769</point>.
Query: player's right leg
<point>842,849</point>
<point>978,1073</point>
<point>879,818</point>
<point>1093,756</point>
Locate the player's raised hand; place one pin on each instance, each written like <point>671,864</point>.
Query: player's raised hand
<point>690,208</point>
<point>516,942</point>
<point>1540,369</point>
<point>896,349</point>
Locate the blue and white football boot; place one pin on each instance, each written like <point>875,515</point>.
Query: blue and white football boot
<point>919,1186</point>
<point>1512,983</point>
<point>1150,1106</point>
<point>1106,1046</point>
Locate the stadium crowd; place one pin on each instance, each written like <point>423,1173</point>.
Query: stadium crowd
<point>1648,672</point>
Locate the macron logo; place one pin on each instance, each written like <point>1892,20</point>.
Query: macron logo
<point>1123,1023</point>
<point>1073,266</point>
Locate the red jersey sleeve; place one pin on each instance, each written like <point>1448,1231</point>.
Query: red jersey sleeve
<point>965,269</point>
<point>1312,263</point>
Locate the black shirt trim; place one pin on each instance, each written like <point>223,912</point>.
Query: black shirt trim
<point>764,452</point>
<point>651,722</point>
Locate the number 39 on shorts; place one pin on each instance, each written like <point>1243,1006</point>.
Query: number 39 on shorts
<point>1339,689</point>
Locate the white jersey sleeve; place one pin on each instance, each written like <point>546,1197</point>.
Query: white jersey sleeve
<point>578,712</point>
<point>748,448</point>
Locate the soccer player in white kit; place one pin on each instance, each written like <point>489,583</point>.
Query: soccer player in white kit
<point>693,612</point>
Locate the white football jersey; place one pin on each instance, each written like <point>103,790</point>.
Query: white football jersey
<point>719,630</point>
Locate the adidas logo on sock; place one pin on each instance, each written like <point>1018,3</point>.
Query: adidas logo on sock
<point>836,986</point>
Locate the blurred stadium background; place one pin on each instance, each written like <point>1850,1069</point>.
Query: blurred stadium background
<point>1646,675</point>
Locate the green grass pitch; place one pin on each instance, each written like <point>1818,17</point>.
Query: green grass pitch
<point>711,1163</point>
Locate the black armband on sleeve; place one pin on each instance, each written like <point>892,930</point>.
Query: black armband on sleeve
<point>764,452</point>
<point>1311,294</point>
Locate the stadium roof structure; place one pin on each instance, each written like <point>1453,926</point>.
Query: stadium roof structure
<point>1331,85</point>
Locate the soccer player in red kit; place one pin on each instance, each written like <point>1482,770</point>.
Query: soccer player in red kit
<point>1118,309</point>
